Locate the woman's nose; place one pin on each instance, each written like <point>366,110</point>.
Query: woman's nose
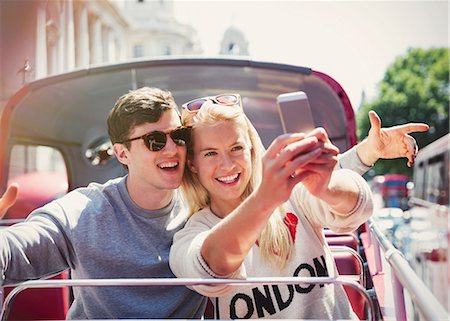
<point>227,162</point>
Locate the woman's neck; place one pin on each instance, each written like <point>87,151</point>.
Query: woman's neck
<point>223,208</point>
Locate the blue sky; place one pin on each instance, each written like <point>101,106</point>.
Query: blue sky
<point>352,41</point>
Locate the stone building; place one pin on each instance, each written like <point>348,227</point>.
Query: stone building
<point>234,42</point>
<point>154,31</point>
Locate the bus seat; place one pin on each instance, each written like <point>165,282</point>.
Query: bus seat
<point>346,240</point>
<point>40,304</point>
<point>329,233</point>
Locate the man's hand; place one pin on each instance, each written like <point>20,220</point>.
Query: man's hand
<point>8,199</point>
<point>390,142</point>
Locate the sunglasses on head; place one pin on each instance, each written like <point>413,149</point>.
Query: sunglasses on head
<point>156,140</point>
<point>223,99</point>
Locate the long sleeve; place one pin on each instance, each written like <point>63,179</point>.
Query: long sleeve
<point>321,215</point>
<point>34,249</point>
<point>351,160</point>
<point>186,260</point>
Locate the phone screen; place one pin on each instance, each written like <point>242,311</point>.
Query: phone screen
<point>295,112</point>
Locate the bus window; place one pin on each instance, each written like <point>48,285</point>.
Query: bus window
<point>432,172</point>
<point>41,174</point>
<point>437,186</point>
<point>394,191</point>
<point>419,180</point>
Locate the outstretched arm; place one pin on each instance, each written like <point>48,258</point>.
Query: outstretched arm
<point>8,199</point>
<point>229,242</point>
<point>390,142</point>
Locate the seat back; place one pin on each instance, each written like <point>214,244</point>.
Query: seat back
<point>40,304</point>
<point>348,239</point>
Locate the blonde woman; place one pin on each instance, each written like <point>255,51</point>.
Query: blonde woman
<point>250,217</point>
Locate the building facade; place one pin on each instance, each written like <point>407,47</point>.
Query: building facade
<point>40,38</point>
<point>154,31</point>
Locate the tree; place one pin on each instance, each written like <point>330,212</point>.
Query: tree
<point>415,88</point>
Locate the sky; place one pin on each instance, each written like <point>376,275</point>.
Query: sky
<point>352,41</point>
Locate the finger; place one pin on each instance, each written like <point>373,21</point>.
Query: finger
<point>280,143</point>
<point>375,122</point>
<point>410,144</point>
<point>295,149</point>
<point>320,133</point>
<point>411,149</point>
<point>8,199</point>
<point>411,128</point>
<point>323,159</point>
<point>321,168</point>
<point>329,148</point>
<point>299,162</point>
<point>297,178</point>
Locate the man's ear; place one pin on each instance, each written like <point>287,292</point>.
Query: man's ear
<point>121,153</point>
<point>191,166</point>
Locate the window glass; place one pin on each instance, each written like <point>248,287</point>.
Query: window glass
<point>41,174</point>
<point>138,50</point>
<point>437,187</point>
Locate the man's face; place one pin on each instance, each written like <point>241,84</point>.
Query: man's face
<point>154,171</point>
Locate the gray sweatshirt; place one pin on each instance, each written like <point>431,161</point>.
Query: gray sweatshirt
<point>99,232</point>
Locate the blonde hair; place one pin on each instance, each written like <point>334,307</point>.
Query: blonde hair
<point>275,241</point>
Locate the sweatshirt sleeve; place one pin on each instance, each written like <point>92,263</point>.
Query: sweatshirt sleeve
<point>186,260</point>
<point>351,160</point>
<point>320,214</point>
<point>34,249</point>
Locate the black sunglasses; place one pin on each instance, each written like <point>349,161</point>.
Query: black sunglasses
<point>222,99</point>
<point>156,140</point>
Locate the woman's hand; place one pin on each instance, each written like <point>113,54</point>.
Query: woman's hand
<point>316,174</point>
<point>390,142</point>
<point>295,158</point>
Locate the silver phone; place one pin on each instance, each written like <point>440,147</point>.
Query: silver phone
<point>295,112</point>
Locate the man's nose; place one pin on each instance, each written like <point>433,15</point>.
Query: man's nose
<point>170,147</point>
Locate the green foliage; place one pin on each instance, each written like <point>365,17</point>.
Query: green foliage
<point>415,88</point>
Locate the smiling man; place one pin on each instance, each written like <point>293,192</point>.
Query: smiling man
<point>120,229</point>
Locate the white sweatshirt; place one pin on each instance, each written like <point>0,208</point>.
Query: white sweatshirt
<point>311,257</point>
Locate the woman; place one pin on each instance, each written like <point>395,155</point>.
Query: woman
<point>251,218</point>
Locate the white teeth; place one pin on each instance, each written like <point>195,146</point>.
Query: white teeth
<point>228,179</point>
<point>168,165</point>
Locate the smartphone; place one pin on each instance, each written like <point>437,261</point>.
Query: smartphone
<point>295,112</point>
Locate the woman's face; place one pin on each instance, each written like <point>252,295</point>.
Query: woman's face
<point>222,161</point>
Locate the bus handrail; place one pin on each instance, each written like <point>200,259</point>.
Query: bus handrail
<point>428,305</point>
<point>346,249</point>
<point>343,280</point>
<point>427,204</point>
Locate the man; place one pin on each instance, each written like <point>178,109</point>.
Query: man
<point>120,229</point>
<point>124,228</point>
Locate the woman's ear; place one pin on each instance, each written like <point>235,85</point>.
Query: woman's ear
<point>191,166</point>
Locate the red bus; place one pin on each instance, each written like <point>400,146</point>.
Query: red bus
<point>67,114</point>
<point>393,189</point>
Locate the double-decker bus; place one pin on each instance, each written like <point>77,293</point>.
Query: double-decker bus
<point>393,189</point>
<point>58,125</point>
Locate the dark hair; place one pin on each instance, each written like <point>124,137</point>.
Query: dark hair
<point>140,106</point>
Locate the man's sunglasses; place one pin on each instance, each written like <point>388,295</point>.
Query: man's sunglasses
<point>156,140</point>
<point>223,99</point>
